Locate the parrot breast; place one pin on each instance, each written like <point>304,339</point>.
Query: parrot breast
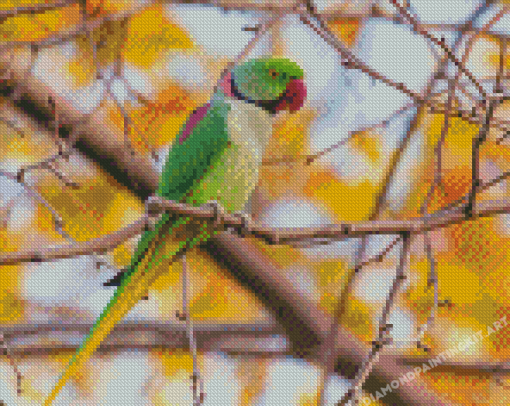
<point>234,175</point>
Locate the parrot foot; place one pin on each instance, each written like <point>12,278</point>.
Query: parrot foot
<point>246,223</point>
<point>219,212</point>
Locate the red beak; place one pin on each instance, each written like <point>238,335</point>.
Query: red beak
<point>295,96</point>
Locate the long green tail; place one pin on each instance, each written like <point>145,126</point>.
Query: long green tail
<point>142,273</point>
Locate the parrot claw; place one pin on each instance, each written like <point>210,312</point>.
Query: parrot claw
<point>246,225</point>
<point>219,212</point>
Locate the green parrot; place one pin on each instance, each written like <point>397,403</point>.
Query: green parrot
<point>216,157</point>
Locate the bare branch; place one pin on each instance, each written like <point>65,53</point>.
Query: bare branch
<point>329,351</point>
<point>381,255</point>
<point>6,352</point>
<point>33,193</point>
<point>208,336</point>
<point>198,384</point>
<point>432,277</point>
<point>350,61</point>
<point>423,224</point>
<point>482,135</point>
<point>417,27</point>
<point>312,158</point>
<point>335,232</point>
<point>99,245</point>
<point>125,116</point>
<point>432,280</point>
<point>384,328</point>
<point>307,324</point>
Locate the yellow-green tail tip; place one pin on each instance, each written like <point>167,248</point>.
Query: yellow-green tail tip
<point>58,387</point>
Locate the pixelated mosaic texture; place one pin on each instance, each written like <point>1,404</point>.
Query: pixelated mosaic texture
<point>405,116</point>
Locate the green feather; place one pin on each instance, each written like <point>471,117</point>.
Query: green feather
<point>185,166</point>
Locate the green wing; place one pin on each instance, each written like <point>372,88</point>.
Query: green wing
<point>189,161</point>
<point>185,166</point>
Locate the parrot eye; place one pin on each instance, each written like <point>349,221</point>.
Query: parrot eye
<point>274,73</point>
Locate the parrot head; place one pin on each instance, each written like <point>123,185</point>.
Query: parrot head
<point>273,84</point>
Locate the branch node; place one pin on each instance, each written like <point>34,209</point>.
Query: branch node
<point>422,346</point>
<point>36,258</point>
<point>347,228</point>
<point>20,176</point>
<point>180,316</point>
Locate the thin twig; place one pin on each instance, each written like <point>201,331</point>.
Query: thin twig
<point>6,212</point>
<point>312,158</point>
<point>5,351</point>
<point>49,164</point>
<point>95,61</point>
<point>33,193</point>
<point>39,8</point>
<point>432,280</point>
<point>125,115</point>
<point>99,245</point>
<point>350,61</point>
<point>56,125</point>
<point>383,253</point>
<point>384,328</point>
<point>432,277</point>
<point>442,43</point>
<point>482,135</point>
<point>262,29</point>
<point>438,150</point>
<point>198,384</point>
<point>329,346</point>
<point>323,31</point>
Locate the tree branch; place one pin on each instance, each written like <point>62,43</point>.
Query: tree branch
<point>335,232</point>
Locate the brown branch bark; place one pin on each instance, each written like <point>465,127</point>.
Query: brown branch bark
<point>239,338</point>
